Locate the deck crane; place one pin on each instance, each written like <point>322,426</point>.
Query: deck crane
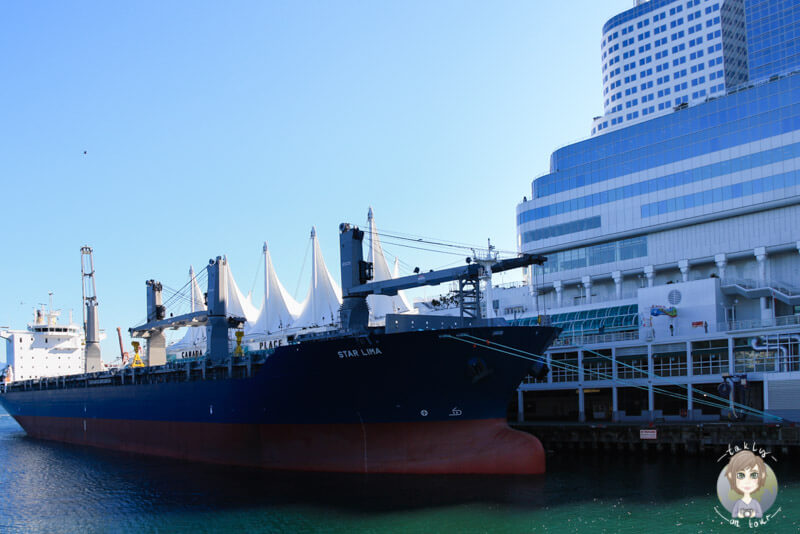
<point>356,276</point>
<point>122,352</point>
<point>357,273</point>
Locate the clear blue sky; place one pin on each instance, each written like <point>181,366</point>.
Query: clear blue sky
<point>210,127</point>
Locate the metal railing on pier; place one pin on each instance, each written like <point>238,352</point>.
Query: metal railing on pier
<point>752,324</point>
<point>595,339</point>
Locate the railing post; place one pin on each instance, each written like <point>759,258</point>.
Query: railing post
<point>549,366</point>
<point>731,371</point>
<point>650,396</point>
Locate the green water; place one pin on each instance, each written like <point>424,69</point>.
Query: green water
<point>48,487</point>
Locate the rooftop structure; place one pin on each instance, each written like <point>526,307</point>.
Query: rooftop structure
<point>662,54</point>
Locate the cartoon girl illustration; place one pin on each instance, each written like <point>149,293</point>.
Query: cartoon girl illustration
<point>746,474</point>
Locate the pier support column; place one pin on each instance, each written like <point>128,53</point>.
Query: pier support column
<point>520,406</point>
<point>650,397</point>
<point>650,273</point>
<point>549,366</point>
<point>731,370</point>
<point>559,287</point>
<point>766,399</point>
<point>614,402</point>
<point>766,314</point>
<point>722,261</point>
<point>683,265</point>
<point>617,277</point>
<point>690,374</point>
<point>581,397</point>
<point>761,257</point>
<point>587,284</point>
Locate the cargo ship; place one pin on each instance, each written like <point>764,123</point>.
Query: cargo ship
<point>419,394</point>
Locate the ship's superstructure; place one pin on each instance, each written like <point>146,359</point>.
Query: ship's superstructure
<point>46,348</point>
<point>673,243</point>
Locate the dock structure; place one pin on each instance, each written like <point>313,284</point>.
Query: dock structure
<point>681,438</point>
<point>682,379</point>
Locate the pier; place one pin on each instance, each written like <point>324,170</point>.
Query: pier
<point>677,438</point>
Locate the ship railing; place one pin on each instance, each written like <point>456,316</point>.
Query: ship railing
<point>753,324</point>
<point>510,285</point>
<point>596,339</point>
<point>180,371</point>
<point>580,300</point>
<point>771,361</point>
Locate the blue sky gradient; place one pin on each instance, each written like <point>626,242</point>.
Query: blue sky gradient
<point>210,127</point>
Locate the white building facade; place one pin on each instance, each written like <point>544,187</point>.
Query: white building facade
<point>692,210</point>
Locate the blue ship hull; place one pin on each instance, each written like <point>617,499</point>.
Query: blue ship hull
<point>412,402</point>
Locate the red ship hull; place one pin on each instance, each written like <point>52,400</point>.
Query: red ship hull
<point>486,446</point>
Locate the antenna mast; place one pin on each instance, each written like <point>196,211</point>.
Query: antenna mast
<point>486,262</point>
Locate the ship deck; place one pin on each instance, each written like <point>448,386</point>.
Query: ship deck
<point>195,369</point>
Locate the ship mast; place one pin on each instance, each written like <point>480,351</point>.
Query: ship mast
<point>487,261</point>
<point>357,273</point>
<point>91,326</point>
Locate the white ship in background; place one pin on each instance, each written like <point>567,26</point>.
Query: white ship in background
<point>46,348</point>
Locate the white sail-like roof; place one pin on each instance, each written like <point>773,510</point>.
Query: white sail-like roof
<point>238,304</point>
<point>278,309</point>
<point>324,299</point>
<point>380,305</point>
<point>195,337</point>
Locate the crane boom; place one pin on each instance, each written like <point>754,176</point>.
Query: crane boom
<point>357,273</point>
<point>122,353</point>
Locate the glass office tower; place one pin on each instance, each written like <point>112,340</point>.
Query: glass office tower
<point>673,236</point>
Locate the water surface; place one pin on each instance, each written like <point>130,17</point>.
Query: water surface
<point>52,487</point>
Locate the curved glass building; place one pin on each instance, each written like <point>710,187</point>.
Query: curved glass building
<point>673,232</point>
